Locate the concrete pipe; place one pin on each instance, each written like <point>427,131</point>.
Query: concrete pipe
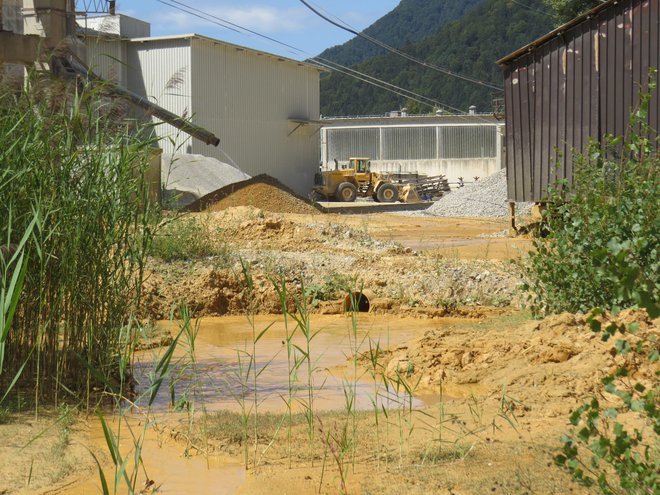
<point>359,301</point>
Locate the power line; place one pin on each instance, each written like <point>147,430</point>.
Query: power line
<point>206,16</point>
<point>396,51</point>
<point>533,9</point>
<point>406,93</point>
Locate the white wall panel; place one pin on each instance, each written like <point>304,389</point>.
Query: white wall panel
<point>247,98</point>
<point>107,58</point>
<point>161,70</point>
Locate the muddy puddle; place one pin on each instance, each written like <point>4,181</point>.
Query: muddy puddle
<point>164,470</point>
<point>218,379</point>
<point>213,382</point>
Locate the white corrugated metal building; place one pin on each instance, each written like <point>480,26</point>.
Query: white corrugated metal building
<point>263,107</point>
<point>455,146</point>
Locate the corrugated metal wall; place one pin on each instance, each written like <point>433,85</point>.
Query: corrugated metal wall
<point>247,98</point>
<point>107,58</point>
<point>414,142</point>
<point>451,149</point>
<point>161,70</point>
<point>582,84</point>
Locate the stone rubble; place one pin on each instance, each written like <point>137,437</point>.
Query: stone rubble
<point>485,198</point>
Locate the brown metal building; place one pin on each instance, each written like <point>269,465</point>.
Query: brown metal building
<point>577,83</point>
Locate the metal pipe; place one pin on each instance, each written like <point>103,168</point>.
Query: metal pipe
<point>67,65</point>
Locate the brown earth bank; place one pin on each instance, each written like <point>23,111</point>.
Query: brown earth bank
<point>328,255</point>
<point>496,396</point>
<point>493,390</point>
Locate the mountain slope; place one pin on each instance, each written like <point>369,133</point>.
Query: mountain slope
<point>410,21</point>
<point>470,45</point>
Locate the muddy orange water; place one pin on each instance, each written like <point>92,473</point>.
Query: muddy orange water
<point>215,384</point>
<point>223,348</point>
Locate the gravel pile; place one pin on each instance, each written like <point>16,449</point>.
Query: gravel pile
<point>262,191</point>
<point>264,196</point>
<point>186,178</point>
<point>485,198</point>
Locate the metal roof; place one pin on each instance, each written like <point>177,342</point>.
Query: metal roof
<point>552,34</point>
<point>232,45</point>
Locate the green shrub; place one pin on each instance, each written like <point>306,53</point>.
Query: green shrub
<point>620,457</point>
<point>601,248</point>
<point>188,238</point>
<point>334,286</point>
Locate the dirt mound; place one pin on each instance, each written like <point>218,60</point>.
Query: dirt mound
<point>262,191</point>
<point>559,358</point>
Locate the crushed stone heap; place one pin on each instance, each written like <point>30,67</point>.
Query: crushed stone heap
<point>186,178</point>
<point>485,198</point>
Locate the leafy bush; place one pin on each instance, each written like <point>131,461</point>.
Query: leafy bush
<point>603,449</point>
<point>335,285</point>
<point>601,251</point>
<point>601,248</point>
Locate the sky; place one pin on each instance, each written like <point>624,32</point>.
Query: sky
<point>288,21</point>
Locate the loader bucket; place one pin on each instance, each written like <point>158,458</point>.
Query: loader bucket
<point>408,194</point>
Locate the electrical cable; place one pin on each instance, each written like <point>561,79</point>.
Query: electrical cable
<point>539,11</point>
<point>396,51</point>
<point>206,16</point>
<point>383,84</point>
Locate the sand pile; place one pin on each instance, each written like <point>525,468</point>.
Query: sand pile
<point>263,192</point>
<point>557,358</point>
<point>186,178</point>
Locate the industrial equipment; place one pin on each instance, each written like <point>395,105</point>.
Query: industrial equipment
<point>347,184</point>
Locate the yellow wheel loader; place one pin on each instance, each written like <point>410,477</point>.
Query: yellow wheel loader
<point>347,184</point>
<point>356,180</point>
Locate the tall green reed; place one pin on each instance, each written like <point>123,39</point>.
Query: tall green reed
<point>248,370</point>
<point>282,294</point>
<point>13,267</point>
<point>67,153</point>
<point>302,316</point>
<point>127,466</point>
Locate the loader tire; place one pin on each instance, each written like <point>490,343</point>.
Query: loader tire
<point>387,193</point>
<point>346,192</point>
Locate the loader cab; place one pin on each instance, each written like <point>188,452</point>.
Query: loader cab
<point>360,165</point>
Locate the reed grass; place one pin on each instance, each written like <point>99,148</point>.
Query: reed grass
<point>302,316</point>
<point>72,163</point>
<point>292,370</point>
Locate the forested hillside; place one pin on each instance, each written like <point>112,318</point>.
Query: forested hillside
<point>410,21</point>
<point>470,45</point>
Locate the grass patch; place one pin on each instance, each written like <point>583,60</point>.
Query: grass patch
<point>188,238</point>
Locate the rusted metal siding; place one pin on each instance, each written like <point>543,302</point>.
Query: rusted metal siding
<point>579,85</point>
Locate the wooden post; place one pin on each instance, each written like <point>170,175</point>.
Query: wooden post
<point>513,231</point>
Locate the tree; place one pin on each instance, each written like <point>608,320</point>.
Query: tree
<point>565,10</point>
